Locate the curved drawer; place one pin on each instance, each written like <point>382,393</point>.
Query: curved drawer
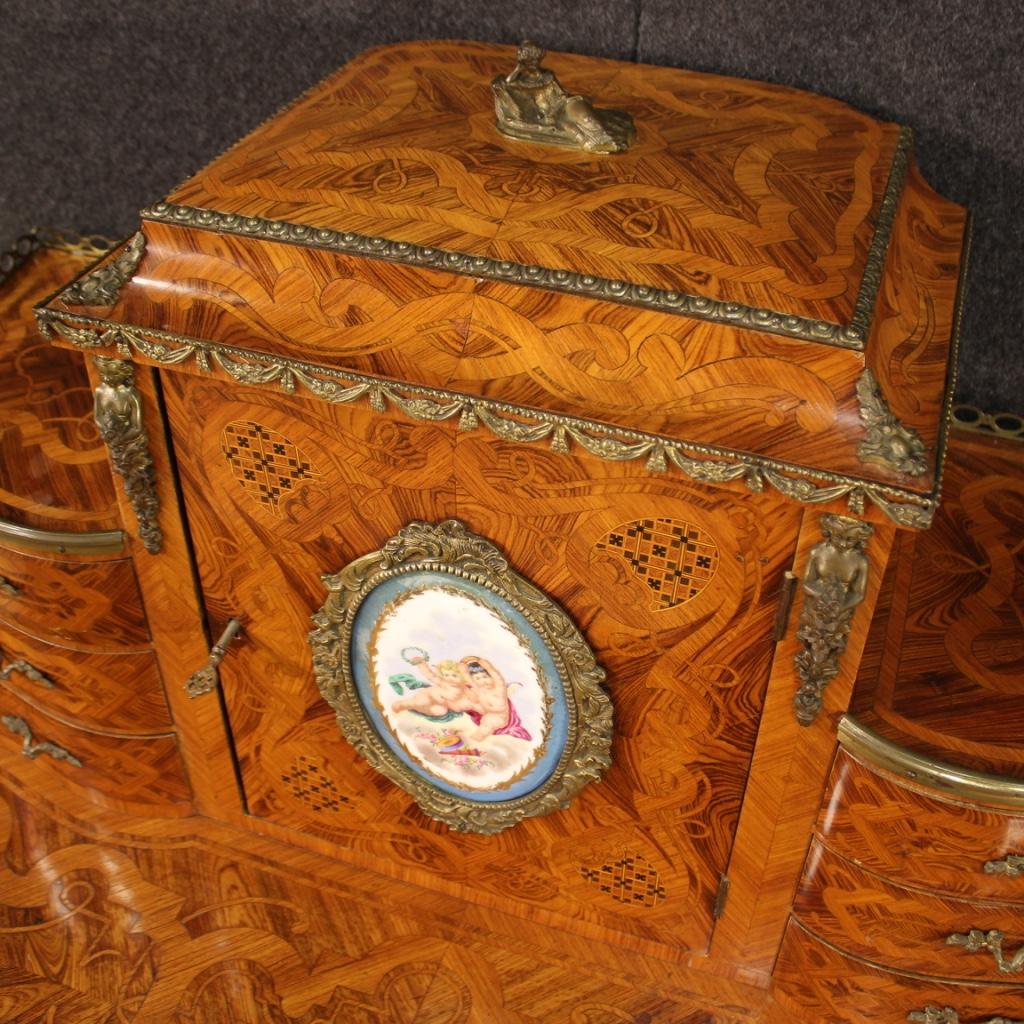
<point>91,605</point>
<point>821,984</point>
<point>899,928</point>
<point>963,850</point>
<point>65,764</point>
<point>108,692</point>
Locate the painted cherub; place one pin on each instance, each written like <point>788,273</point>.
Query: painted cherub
<point>492,710</point>
<point>446,693</point>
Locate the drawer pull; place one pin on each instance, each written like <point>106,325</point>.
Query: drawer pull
<point>205,679</point>
<point>8,588</point>
<point>976,940</point>
<point>28,671</point>
<point>32,749</point>
<point>1012,866</point>
<point>947,1015</point>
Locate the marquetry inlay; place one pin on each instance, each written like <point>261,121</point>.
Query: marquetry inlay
<point>675,559</point>
<point>308,783</point>
<point>265,463</point>
<point>631,879</point>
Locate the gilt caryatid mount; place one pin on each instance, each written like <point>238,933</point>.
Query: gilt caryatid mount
<point>531,105</point>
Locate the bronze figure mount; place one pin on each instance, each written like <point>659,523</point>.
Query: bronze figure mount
<point>531,105</point>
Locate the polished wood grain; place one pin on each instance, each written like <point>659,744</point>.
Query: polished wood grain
<point>190,922</point>
<point>944,665</point>
<point>687,678</point>
<point>774,205</point>
<point>900,927</point>
<point>86,605</point>
<point>144,775</point>
<point>924,841</point>
<point>107,692</point>
<point>818,983</point>
<point>53,466</point>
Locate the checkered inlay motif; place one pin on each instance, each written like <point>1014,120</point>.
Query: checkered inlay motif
<point>264,462</point>
<point>309,784</point>
<point>631,879</point>
<point>675,559</point>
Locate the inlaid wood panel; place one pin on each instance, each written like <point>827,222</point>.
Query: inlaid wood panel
<point>193,923</point>
<point>944,666</point>
<point>640,854</point>
<point>899,927</point>
<point>143,775</point>
<point>93,606</point>
<point>107,692</point>
<point>734,189</point>
<point>53,466</point>
<point>927,842</point>
<point>816,983</point>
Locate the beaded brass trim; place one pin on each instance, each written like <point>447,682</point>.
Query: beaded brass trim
<point>705,463</point>
<point>852,336</point>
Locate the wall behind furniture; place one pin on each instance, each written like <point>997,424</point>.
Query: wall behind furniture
<point>107,105</point>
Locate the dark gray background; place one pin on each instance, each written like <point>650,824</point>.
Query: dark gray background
<point>107,105</point>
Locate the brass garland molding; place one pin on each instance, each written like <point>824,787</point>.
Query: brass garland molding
<point>28,671</point>
<point>205,679</point>
<point>118,410</point>
<point>834,584</point>
<point>99,542</point>
<point>947,1015</point>
<point>976,941</point>
<point>696,307</point>
<point>1012,866</point>
<point>960,783</point>
<point>100,287</point>
<point>30,748</point>
<point>888,443</point>
<point>528,425</point>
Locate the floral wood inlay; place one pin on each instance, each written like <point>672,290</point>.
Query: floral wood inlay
<point>265,463</point>
<point>675,559</point>
<point>631,879</point>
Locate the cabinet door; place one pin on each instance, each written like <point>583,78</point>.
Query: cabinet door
<point>673,585</point>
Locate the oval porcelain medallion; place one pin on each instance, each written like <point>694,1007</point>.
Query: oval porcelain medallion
<point>461,681</point>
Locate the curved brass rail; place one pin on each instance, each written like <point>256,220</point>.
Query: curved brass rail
<point>100,542</point>
<point>962,783</point>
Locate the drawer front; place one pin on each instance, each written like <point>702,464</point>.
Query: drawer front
<point>66,764</point>
<point>110,692</point>
<point>913,839</point>
<point>904,929</point>
<point>821,985</point>
<point>95,606</point>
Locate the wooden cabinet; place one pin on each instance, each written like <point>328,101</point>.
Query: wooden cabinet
<point>693,394</point>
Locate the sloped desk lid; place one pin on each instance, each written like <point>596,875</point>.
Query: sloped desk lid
<point>727,282</point>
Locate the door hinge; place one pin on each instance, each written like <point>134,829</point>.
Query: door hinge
<point>720,898</point>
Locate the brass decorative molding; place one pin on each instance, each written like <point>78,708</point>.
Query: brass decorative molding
<point>960,783</point>
<point>834,583</point>
<point>698,307</point>
<point>30,748</point>
<point>531,105</point>
<point>205,679</point>
<point>118,411</point>
<point>564,716</point>
<point>947,1015</point>
<point>518,424</point>
<point>1012,866</point>
<point>888,443</point>
<point>1007,425</point>
<point>28,671</point>
<point>100,287</point>
<point>977,940</point>
<point>97,542</point>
